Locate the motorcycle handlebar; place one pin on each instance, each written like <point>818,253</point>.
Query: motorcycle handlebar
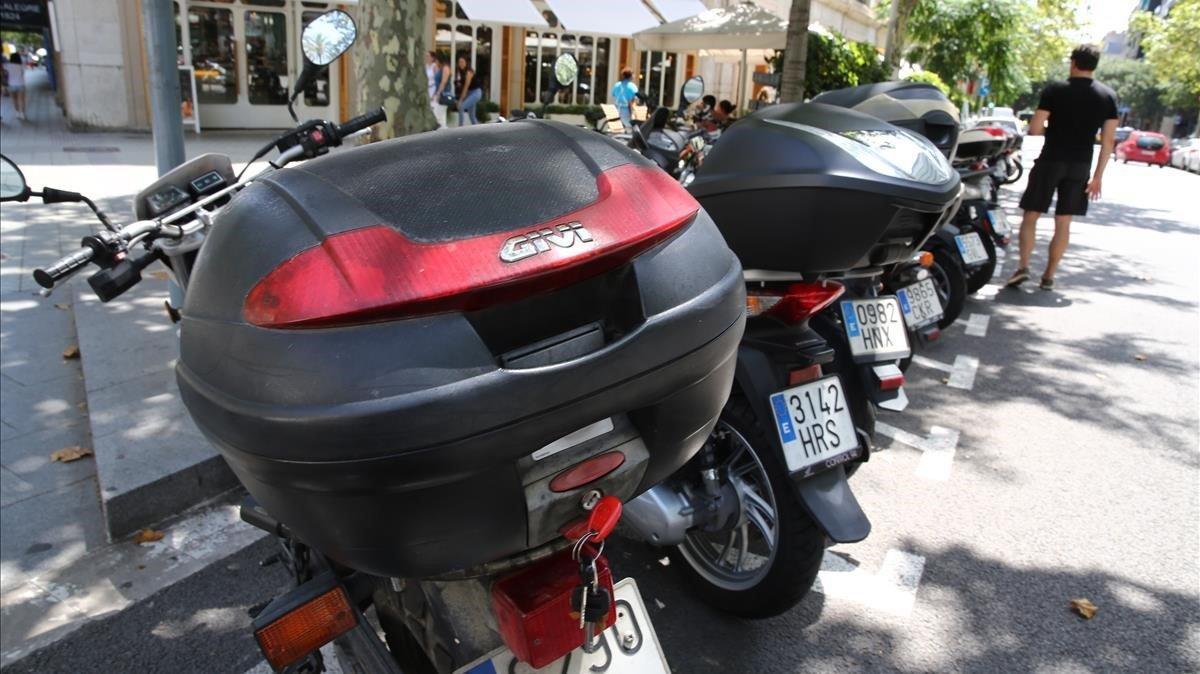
<point>361,122</point>
<point>58,271</point>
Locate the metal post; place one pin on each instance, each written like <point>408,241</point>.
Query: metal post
<point>166,119</point>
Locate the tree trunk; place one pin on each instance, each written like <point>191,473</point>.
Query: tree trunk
<point>389,65</point>
<point>796,53</point>
<point>897,32</point>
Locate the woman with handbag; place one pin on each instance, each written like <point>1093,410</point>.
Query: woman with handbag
<point>469,90</point>
<point>437,71</point>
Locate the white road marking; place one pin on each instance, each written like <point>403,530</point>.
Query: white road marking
<point>962,372</point>
<point>937,449</point>
<point>976,325</point>
<point>892,590</point>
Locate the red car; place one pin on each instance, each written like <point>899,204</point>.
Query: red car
<point>1146,146</point>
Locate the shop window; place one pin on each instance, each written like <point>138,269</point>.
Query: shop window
<point>483,59</point>
<point>583,87</point>
<point>531,66</point>
<point>459,13</point>
<point>266,3</point>
<point>444,42</point>
<point>546,68</point>
<point>214,54</point>
<point>670,70</point>
<point>601,88</point>
<point>266,58</point>
<point>316,94</point>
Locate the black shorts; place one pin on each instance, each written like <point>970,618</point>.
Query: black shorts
<point>1069,178</point>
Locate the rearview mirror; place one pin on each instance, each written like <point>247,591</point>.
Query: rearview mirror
<point>328,36</point>
<point>692,89</point>
<point>566,69</point>
<point>12,181</point>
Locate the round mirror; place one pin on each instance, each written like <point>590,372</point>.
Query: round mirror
<point>566,68</point>
<point>328,36</point>
<point>693,89</point>
<point>12,181</point>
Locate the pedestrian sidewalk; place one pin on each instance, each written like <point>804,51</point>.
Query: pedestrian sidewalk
<point>116,397</point>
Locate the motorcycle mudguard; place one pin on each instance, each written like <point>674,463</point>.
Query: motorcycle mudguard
<point>826,496</point>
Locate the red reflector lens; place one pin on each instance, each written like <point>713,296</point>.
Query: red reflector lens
<point>306,628</point>
<point>802,300</point>
<point>375,273</point>
<point>891,383</point>
<point>587,471</point>
<point>533,608</point>
<point>804,375</point>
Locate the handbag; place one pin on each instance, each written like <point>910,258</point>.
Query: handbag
<point>447,98</point>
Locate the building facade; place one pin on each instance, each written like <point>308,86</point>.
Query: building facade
<point>241,55</point>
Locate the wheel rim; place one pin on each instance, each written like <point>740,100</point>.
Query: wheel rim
<point>941,283</point>
<point>740,556</point>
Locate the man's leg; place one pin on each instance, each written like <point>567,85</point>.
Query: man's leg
<point>1028,236</point>
<point>1058,245</point>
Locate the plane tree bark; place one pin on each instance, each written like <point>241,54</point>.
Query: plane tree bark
<point>795,54</point>
<point>389,65</point>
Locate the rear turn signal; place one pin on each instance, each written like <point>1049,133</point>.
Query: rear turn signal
<point>796,303</point>
<point>300,630</point>
<point>925,259</point>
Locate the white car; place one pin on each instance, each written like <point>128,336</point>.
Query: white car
<point>1187,155</point>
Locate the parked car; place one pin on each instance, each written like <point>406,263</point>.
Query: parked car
<point>1186,154</point>
<point>1144,146</point>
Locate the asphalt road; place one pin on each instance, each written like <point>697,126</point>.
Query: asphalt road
<point>1074,475</point>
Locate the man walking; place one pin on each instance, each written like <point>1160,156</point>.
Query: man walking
<point>1069,113</point>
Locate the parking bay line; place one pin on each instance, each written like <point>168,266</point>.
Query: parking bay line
<point>937,449</point>
<point>892,590</point>
<point>962,372</point>
<point>976,324</point>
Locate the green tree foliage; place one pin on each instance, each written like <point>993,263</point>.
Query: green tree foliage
<point>1172,48</point>
<point>1136,86</point>
<point>834,62</point>
<point>927,77</point>
<point>1013,42</point>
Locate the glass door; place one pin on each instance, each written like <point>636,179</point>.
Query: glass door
<point>246,55</point>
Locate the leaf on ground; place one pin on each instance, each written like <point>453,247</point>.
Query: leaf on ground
<point>82,405</point>
<point>1139,357</point>
<point>1101,375</point>
<point>71,352</point>
<point>945,380</point>
<point>147,536</point>
<point>69,454</point>
<point>159,274</point>
<point>1084,608</point>
<point>61,306</point>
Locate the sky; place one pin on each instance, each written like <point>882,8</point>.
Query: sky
<point>1097,17</point>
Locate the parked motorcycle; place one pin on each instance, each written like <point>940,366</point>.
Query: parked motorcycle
<point>438,402</point>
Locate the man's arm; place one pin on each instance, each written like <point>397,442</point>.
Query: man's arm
<point>1108,135</point>
<point>1037,125</point>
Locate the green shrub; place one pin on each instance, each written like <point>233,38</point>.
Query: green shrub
<point>835,62</point>
<point>928,77</point>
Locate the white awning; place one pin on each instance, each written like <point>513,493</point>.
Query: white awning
<point>674,10</point>
<point>512,12</point>
<point>741,26</point>
<point>611,17</point>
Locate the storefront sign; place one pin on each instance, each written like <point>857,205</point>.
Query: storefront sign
<point>24,14</point>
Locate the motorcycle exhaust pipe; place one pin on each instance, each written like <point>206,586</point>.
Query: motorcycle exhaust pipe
<point>660,516</point>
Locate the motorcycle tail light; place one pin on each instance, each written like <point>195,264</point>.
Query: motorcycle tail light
<point>796,303</point>
<point>306,627</point>
<point>994,131</point>
<point>375,273</point>
<point>890,377</point>
<point>533,608</point>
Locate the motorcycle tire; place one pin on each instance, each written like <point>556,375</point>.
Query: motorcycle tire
<point>407,650</point>
<point>1014,176</point>
<point>798,549</point>
<point>951,282</point>
<point>979,276</point>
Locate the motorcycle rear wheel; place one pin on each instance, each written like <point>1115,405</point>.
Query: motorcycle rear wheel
<point>786,544</point>
<point>1015,175</point>
<point>951,284</point>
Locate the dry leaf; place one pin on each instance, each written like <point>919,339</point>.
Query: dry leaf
<point>69,454</point>
<point>71,352</point>
<point>945,380</point>
<point>61,306</point>
<point>1140,357</point>
<point>1084,608</point>
<point>82,405</point>
<point>147,536</point>
<point>159,274</point>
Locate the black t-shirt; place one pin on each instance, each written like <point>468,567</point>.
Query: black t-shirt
<point>1078,108</point>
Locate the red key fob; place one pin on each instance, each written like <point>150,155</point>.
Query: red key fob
<point>604,518</point>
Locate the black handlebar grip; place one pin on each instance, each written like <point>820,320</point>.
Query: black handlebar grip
<point>361,122</point>
<point>47,277</point>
